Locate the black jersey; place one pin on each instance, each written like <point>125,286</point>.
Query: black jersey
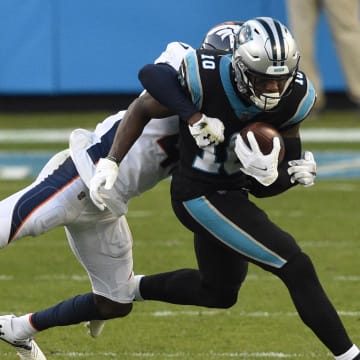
<point>207,76</point>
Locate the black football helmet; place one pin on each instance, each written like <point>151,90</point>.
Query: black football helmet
<point>221,36</point>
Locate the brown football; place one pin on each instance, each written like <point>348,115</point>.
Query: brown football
<point>264,134</point>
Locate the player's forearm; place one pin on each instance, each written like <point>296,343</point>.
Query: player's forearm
<point>139,113</point>
<point>128,131</point>
<point>281,184</point>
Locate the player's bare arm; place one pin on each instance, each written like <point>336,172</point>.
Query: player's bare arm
<point>139,113</point>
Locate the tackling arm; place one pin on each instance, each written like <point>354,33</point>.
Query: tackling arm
<point>139,113</point>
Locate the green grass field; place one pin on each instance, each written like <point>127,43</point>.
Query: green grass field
<point>38,272</point>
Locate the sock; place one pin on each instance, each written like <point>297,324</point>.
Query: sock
<point>351,354</point>
<point>22,327</point>
<point>137,292</point>
<point>72,311</point>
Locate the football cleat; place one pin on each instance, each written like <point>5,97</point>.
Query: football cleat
<point>26,349</point>
<point>95,327</point>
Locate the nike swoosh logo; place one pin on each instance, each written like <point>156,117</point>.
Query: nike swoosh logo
<point>184,46</point>
<point>260,168</point>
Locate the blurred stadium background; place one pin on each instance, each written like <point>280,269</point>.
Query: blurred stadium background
<point>61,52</point>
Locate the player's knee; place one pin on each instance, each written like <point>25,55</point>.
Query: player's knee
<point>222,298</point>
<point>5,230</point>
<point>299,268</point>
<point>226,301</point>
<point>225,295</point>
<point>110,309</point>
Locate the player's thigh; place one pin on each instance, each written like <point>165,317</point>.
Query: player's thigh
<point>48,202</point>
<point>104,248</point>
<point>231,218</point>
<point>218,264</point>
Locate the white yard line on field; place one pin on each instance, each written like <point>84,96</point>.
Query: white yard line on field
<point>339,166</point>
<point>349,278</point>
<point>188,355</point>
<point>83,277</point>
<point>253,314</point>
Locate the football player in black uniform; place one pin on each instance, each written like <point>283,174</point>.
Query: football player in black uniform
<point>216,95</point>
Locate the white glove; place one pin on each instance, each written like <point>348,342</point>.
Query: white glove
<point>254,163</point>
<point>303,171</point>
<point>105,176</point>
<point>207,131</point>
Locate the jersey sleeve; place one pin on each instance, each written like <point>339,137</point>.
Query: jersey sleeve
<point>189,76</point>
<point>161,80</point>
<point>304,98</point>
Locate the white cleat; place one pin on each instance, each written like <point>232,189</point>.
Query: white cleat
<point>95,327</point>
<point>26,349</point>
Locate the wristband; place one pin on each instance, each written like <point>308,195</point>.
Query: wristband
<point>114,159</point>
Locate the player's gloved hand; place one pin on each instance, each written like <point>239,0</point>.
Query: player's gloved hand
<point>254,163</point>
<point>303,171</point>
<point>207,131</point>
<point>105,176</point>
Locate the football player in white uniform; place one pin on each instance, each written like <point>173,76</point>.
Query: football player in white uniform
<point>98,235</point>
<point>100,240</point>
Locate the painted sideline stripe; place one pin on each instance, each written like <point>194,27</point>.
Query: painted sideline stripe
<point>330,135</point>
<point>10,136</point>
<point>62,135</point>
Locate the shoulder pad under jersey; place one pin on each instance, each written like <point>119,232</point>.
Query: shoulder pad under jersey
<point>300,102</point>
<point>173,54</point>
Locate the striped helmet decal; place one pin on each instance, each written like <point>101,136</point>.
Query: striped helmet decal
<point>276,40</point>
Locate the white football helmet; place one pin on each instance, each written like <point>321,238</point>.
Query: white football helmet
<point>222,36</point>
<point>264,51</point>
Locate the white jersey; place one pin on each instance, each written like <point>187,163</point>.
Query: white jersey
<point>151,158</point>
<point>100,240</point>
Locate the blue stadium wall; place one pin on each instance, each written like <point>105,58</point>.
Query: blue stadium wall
<point>59,47</point>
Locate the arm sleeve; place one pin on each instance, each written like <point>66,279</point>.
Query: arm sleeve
<point>161,81</point>
<point>282,183</point>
